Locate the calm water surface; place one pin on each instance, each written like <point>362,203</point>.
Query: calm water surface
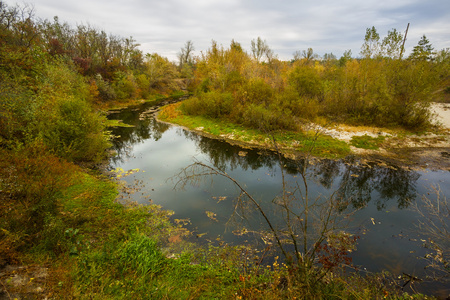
<point>382,195</point>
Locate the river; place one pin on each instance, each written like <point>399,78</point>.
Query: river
<point>381,196</point>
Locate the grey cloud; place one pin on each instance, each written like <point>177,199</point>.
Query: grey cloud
<point>287,25</point>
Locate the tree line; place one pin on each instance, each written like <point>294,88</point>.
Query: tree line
<point>379,88</point>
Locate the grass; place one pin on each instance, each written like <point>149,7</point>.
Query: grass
<point>117,123</point>
<point>305,142</point>
<point>367,142</point>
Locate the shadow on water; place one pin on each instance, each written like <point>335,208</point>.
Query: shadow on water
<point>380,193</point>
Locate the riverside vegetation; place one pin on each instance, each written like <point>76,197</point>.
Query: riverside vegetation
<point>63,232</point>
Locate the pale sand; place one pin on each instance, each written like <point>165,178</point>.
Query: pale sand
<point>442,111</point>
<point>442,117</point>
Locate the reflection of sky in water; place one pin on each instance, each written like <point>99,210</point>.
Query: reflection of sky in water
<point>385,227</point>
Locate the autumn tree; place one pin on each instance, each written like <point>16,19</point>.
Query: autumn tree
<point>185,56</point>
<point>306,56</point>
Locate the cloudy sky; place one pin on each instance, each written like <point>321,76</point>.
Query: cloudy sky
<point>163,26</point>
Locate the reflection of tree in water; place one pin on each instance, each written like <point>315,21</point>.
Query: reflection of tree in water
<point>326,171</point>
<point>358,182</point>
<point>226,156</point>
<point>126,137</point>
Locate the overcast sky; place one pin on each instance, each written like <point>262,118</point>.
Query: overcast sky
<point>163,26</point>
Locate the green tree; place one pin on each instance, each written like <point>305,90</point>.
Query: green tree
<point>392,44</point>
<point>423,50</point>
<point>372,46</point>
<point>346,56</point>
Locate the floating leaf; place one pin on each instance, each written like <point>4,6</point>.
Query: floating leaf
<point>220,198</point>
<point>211,215</point>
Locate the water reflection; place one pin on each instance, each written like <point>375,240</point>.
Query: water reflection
<point>359,183</point>
<point>380,192</point>
<point>144,128</point>
<point>356,182</point>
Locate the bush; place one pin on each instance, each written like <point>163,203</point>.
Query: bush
<point>63,117</point>
<point>106,92</point>
<point>16,111</point>
<point>256,91</point>
<point>31,179</point>
<point>76,133</point>
<point>211,104</point>
<point>306,80</point>
<point>273,118</point>
<point>125,86</point>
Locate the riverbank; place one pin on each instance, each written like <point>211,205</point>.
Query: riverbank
<point>427,150</point>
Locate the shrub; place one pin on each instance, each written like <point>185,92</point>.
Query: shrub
<point>76,133</point>
<point>211,104</point>
<point>125,86</point>
<point>272,118</point>
<point>106,92</point>
<point>256,91</point>
<point>16,111</point>
<point>63,118</point>
<point>306,80</point>
<point>31,179</point>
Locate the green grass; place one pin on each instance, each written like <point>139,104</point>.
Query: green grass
<point>305,142</point>
<point>367,142</point>
<point>117,123</point>
<point>115,251</point>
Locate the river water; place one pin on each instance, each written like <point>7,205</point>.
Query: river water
<point>380,195</point>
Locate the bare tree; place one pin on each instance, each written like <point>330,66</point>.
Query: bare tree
<point>186,54</point>
<point>307,55</point>
<point>260,48</point>
<point>309,225</point>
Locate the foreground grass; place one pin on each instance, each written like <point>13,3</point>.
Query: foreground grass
<point>287,141</point>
